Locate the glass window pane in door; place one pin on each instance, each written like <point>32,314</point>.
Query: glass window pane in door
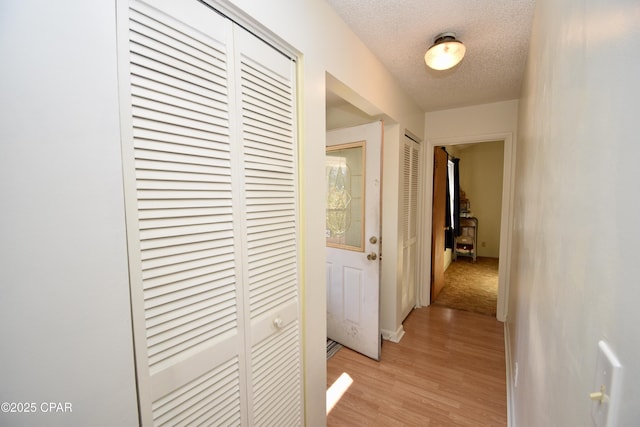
<point>345,178</point>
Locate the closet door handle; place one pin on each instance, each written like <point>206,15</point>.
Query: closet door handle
<point>278,323</point>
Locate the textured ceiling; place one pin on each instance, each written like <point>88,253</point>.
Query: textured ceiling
<point>495,33</point>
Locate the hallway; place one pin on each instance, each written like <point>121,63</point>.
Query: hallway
<point>449,369</point>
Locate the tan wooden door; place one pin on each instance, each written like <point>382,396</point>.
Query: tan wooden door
<point>438,221</point>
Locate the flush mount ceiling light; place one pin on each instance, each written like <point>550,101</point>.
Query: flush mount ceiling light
<point>446,52</point>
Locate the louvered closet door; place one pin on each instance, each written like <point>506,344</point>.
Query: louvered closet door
<point>266,104</point>
<point>190,367</point>
<point>211,214</point>
<point>410,225</point>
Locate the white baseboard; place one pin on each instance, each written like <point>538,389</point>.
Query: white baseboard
<point>510,384</point>
<point>393,336</point>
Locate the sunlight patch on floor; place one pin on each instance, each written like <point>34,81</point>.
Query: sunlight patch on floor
<point>337,389</point>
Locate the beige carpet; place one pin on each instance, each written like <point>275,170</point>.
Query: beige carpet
<point>471,286</point>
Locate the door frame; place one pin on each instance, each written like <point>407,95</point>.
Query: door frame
<point>506,216</point>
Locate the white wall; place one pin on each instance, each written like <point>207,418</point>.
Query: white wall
<point>481,179</point>
<point>64,298</point>
<point>575,265</point>
<point>391,249</point>
<point>477,120</point>
<point>346,115</point>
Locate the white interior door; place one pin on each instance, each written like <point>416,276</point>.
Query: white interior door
<point>353,237</point>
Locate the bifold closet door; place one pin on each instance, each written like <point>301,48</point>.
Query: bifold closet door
<point>265,93</point>
<point>410,168</point>
<point>209,161</point>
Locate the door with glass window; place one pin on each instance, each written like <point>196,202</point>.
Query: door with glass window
<point>353,237</point>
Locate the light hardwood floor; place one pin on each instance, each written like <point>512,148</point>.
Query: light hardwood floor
<point>448,370</point>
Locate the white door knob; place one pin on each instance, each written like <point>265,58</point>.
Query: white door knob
<point>278,323</point>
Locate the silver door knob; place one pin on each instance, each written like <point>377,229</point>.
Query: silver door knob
<point>372,256</point>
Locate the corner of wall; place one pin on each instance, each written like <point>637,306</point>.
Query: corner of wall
<point>393,336</point>
<point>389,275</point>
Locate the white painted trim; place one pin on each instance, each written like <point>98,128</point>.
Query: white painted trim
<point>393,336</point>
<point>229,10</point>
<point>508,368</point>
<point>506,219</point>
<point>143,382</point>
<point>421,225</point>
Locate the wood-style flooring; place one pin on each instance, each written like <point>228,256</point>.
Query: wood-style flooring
<point>448,370</point>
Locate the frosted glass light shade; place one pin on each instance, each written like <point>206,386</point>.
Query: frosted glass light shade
<point>445,53</point>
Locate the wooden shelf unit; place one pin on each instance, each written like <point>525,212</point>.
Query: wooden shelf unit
<point>466,244</point>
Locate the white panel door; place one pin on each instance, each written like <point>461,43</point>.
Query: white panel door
<point>353,237</point>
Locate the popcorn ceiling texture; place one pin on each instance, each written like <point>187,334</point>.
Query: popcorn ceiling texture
<point>399,32</point>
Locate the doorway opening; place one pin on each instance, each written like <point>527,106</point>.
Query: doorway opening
<point>503,251</point>
<point>470,241</point>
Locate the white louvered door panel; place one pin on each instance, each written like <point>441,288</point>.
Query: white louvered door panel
<point>211,210</point>
<point>190,366</point>
<point>406,194</point>
<point>413,221</point>
<point>267,107</point>
<point>409,223</point>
